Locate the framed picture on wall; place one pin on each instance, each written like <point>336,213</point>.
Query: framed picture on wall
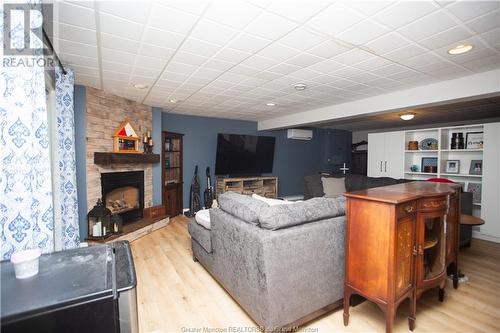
<point>475,188</point>
<point>452,166</point>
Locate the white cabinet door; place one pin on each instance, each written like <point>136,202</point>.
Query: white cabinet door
<point>376,152</point>
<point>490,194</point>
<point>394,155</point>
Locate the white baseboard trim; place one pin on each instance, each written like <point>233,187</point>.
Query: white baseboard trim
<point>478,235</point>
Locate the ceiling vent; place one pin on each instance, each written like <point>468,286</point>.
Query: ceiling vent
<point>299,134</point>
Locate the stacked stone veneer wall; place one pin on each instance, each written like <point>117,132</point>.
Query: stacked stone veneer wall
<point>105,112</point>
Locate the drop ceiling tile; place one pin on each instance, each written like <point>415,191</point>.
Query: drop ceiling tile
<point>373,63</point>
<point>231,55</point>
<point>73,59</point>
<point>325,79</point>
<point>244,70</point>
<point>346,72</point>
<point>467,10</point>
<point>389,70</point>
<point>130,10</point>
<point>162,38</point>
<point>270,26</point>
<point>74,33</point>
<point>370,7</point>
<point>75,15</point>
<point>305,74</point>
<point>235,14</point>
<point>189,58</point>
<point>119,43</point>
<point>147,72</point>
<point>387,43</point>
<point>304,60</point>
<point>248,43</point>
<point>156,51</point>
<point>352,57</point>
<point>259,62</point>
<point>181,68</point>
<point>218,64</point>
<point>327,49</point>
<point>207,73</point>
<point>404,12</point>
<point>65,46</point>
<point>492,37</point>
<point>170,19</point>
<point>295,10</point>
<point>113,66</point>
<point>363,32</point>
<point>120,27</point>
<point>475,54</point>
<point>427,26</point>
<point>90,71</point>
<point>117,56</point>
<point>284,69</point>
<point>302,39</point>
<point>112,75</point>
<point>479,65</point>
<point>199,47</point>
<point>335,19</point>
<point>405,53</point>
<point>485,22</point>
<point>278,52</point>
<point>455,34</point>
<point>212,32</point>
<point>173,77</point>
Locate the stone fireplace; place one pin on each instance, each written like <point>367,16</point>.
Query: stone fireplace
<point>123,194</point>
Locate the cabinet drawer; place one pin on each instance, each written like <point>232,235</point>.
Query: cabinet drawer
<point>433,204</point>
<point>408,208</point>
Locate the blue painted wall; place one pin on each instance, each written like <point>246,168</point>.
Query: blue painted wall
<point>156,134</point>
<point>293,159</point>
<point>81,158</point>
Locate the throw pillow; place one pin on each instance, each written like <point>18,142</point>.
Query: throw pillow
<point>333,187</point>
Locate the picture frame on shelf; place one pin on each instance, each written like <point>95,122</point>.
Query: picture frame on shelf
<point>474,140</point>
<point>452,166</point>
<point>476,167</point>
<point>429,164</point>
<point>475,189</point>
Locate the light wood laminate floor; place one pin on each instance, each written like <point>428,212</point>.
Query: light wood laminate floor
<point>176,294</point>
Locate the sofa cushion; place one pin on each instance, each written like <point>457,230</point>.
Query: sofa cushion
<point>284,216</point>
<point>333,187</point>
<point>354,182</point>
<point>202,217</point>
<point>313,186</point>
<point>370,182</point>
<point>242,206</point>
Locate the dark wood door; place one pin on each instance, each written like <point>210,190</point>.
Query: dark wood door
<point>173,200</point>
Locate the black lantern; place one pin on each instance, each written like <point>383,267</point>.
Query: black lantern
<point>99,221</point>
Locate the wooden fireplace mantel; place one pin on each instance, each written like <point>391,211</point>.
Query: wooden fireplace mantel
<point>103,158</point>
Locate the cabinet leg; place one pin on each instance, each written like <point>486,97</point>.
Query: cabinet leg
<point>441,294</point>
<point>347,299</point>
<point>413,309</point>
<point>389,319</point>
<point>456,274</point>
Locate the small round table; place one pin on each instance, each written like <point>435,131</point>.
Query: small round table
<point>470,220</point>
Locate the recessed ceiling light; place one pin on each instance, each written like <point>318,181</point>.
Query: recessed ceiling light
<point>271,104</point>
<point>460,49</point>
<point>300,86</point>
<point>407,116</point>
<point>140,86</point>
<point>173,100</point>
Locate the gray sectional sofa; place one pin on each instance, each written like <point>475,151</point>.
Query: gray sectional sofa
<point>283,264</point>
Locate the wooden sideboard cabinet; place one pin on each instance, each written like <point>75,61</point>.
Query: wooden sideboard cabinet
<point>400,240</point>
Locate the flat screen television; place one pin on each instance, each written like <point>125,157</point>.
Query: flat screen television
<point>247,155</point>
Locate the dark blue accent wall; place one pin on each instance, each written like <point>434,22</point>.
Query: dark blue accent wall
<point>81,158</point>
<point>293,159</point>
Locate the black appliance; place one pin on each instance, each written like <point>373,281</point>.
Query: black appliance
<point>244,154</point>
<point>90,289</point>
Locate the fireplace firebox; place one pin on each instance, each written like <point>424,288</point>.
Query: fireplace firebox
<point>123,194</point>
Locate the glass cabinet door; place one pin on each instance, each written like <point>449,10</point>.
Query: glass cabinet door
<point>434,247</point>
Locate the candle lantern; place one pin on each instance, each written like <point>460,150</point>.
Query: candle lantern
<point>99,221</point>
<point>117,223</point>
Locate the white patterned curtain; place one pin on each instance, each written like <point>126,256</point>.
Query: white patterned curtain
<point>64,164</point>
<point>26,214</point>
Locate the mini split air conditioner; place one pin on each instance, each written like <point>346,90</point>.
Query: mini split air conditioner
<point>299,134</point>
